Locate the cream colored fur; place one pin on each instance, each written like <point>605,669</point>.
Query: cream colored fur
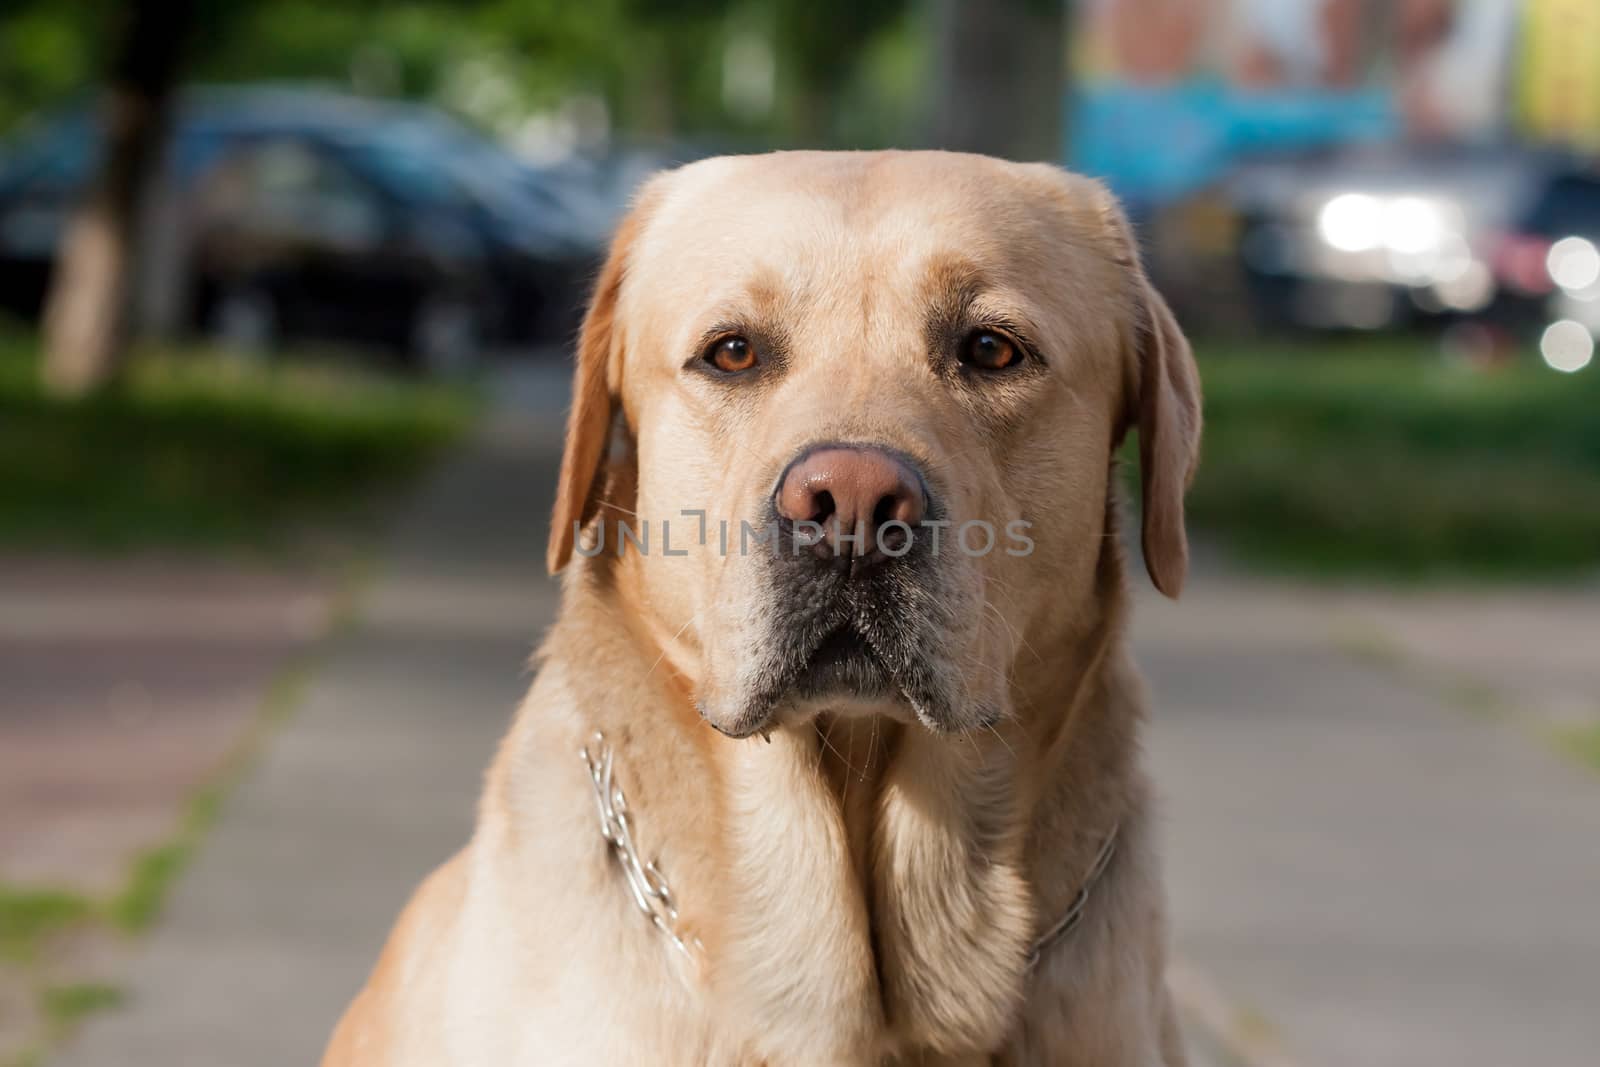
<point>863,889</point>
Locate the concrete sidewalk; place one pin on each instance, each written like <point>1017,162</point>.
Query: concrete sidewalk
<point>1369,877</point>
<point>372,782</point>
<point>1374,878</point>
<point>127,684</point>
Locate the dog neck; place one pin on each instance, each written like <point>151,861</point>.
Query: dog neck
<point>872,874</point>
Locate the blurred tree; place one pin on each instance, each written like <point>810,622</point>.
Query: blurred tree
<point>385,49</point>
<point>1000,77</point>
<point>43,55</point>
<point>820,43</point>
<point>660,64</point>
<point>840,72</point>
<point>886,100</point>
<point>86,315</point>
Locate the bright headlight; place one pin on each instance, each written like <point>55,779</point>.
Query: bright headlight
<point>1567,345</point>
<point>1573,263</point>
<point>1404,225</point>
<point>1411,226</point>
<point>1352,222</point>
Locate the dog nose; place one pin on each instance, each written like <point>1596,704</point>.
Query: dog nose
<point>851,493</point>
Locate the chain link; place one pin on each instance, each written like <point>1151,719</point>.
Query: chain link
<point>653,897</point>
<point>646,884</point>
<point>1074,914</point>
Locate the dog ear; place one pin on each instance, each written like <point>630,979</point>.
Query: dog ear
<point>594,399</point>
<point>1164,402</point>
<point>1169,438</point>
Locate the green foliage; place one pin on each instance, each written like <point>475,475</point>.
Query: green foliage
<point>190,449</point>
<point>410,45</point>
<point>658,64</point>
<point>153,873</point>
<point>29,916</point>
<point>66,1005</point>
<point>1384,460</point>
<point>1583,743</point>
<point>820,46</point>
<point>886,101</point>
<point>155,870</point>
<point>46,55</point>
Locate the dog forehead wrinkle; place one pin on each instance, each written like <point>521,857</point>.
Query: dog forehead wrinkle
<point>767,291</point>
<point>951,279</point>
<point>828,221</point>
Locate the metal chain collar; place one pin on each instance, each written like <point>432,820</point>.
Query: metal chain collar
<point>1074,914</point>
<point>653,897</point>
<point>646,884</point>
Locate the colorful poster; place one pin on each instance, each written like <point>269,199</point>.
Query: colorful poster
<point>1558,77</point>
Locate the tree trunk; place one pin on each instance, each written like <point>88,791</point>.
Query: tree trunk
<point>1000,77</point>
<point>86,318</point>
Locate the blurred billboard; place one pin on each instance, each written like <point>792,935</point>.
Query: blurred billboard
<point>1558,83</point>
<point>1170,95</point>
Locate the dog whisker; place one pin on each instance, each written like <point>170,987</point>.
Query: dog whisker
<point>850,751</point>
<point>668,643</point>
<point>1016,634</point>
<point>1009,750</point>
<point>872,741</point>
<point>613,506</point>
<point>1004,677</point>
<point>823,736</point>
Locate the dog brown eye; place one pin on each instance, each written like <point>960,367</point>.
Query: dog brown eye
<point>988,350</point>
<point>731,355</point>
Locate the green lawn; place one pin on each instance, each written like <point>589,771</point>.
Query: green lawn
<point>191,450</point>
<point>1382,459</point>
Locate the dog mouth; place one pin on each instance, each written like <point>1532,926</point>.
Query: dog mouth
<point>888,644</point>
<point>827,663</point>
<point>844,664</point>
<point>862,662</point>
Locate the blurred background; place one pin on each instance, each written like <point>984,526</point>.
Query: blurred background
<point>287,291</point>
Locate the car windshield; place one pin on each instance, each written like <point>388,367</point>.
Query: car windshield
<point>478,164</point>
<point>410,170</point>
<point>1570,206</point>
<point>59,153</point>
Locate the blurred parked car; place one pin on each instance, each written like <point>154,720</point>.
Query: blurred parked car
<point>1374,237</point>
<point>299,213</point>
<point>293,236</point>
<point>1548,268</point>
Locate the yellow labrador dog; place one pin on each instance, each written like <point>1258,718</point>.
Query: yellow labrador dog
<point>833,754</point>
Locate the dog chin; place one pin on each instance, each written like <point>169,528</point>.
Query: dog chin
<point>799,706</point>
<point>846,705</point>
<point>895,675</point>
<point>802,706</point>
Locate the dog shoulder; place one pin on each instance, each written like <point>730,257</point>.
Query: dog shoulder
<point>368,1034</point>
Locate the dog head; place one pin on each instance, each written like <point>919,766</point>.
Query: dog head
<point>866,406</point>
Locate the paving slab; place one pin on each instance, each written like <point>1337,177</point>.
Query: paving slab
<point>1531,651</point>
<point>1381,879</point>
<point>372,782</point>
<point>127,684</point>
